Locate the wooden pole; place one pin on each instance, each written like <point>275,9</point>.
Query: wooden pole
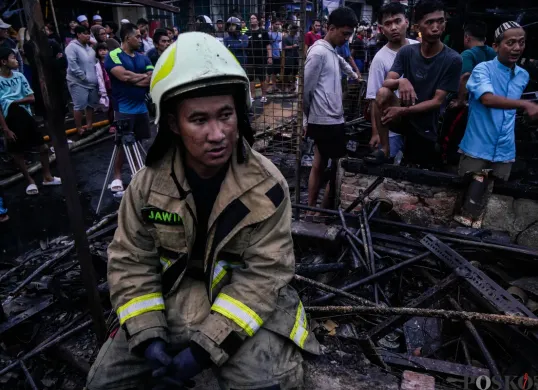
<point>55,123</point>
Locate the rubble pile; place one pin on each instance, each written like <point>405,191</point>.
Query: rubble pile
<point>455,304</point>
<point>395,305</point>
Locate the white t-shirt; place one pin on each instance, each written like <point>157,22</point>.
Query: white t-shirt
<point>379,69</point>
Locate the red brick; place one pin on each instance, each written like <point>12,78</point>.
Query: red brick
<point>414,381</point>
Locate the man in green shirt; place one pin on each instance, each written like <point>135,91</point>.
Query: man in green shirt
<point>476,52</point>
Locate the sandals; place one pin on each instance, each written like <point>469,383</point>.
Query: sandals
<point>32,190</point>
<point>377,157</point>
<point>116,186</point>
<point>4,218</point>
<point>56,181</point>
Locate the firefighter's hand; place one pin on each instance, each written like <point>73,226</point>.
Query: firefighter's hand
<point>156,354</point>
<point>184,366</point>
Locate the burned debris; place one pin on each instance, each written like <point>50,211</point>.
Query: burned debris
<point>433,300</point>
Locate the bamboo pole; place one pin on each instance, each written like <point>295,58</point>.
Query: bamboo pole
<point>413,312</point>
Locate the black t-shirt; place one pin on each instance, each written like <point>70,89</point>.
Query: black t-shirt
<point>205,192</point>
<point>257,46</point>
<point>292,55</point>
<point>427,75</point>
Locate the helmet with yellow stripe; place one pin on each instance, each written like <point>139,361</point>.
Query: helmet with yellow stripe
<point>196,60</point>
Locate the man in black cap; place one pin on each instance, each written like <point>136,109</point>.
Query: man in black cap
<point>220,34</point>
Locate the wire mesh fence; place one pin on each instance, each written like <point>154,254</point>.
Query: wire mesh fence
<point>266,39</point>
<point>270,40</point>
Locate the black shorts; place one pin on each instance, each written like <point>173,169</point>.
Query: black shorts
<point>275,68</point>
<point>138,124</point>
<point>291,70</point>
<point>418,149</point>
<point>25,128</point>
<point>256,70</point>
<point>330,140</point>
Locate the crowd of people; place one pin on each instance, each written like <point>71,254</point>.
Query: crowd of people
<point>412,78</point>
<point>410,84</point>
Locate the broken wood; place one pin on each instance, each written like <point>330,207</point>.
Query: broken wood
<point>336,291</point>
<point>413,312</point>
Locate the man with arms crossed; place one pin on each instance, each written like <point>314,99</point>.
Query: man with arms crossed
<point>423,75</point>
<point>394,25</point>
<point>130,74</point>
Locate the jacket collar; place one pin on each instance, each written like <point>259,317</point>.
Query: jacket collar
<point>239,178</point>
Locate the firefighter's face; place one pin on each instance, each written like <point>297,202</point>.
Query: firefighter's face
<point>208,128</point>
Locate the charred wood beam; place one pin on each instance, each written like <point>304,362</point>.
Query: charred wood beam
<point>315,231</point>
<point>413,175</point>
<point>16,320</point>
<point>370,351</point>
<point>28,376</point>
<point>433,178</point>
<point>452,236</point>
<point>474,333</point>
<point>334,290</point>
<point>433,313</point>
<point>423,300</point>
<point>482,284</point>
<point>432,365</point>
<point>303,269</point>
<point>364,194</point>
<point>47,344</point>
<point>374,277</point>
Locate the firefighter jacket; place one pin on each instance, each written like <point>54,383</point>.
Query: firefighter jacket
<point>248,263</point>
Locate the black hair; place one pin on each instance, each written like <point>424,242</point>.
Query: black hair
<point>80,29</point>
<point>390,9</point>
<point>5,52</point>
<point>113,26</point>
<point>142,21</point>
<point>126,30</point>
<point>100,46</point>
<point>477,30</point>
<point>157,34</point>
<point>343,17</point>
<point>169,29</point>
<point>425,7</point>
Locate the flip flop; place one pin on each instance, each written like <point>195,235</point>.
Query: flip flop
<point>32,190</point>
<point>4,218</point>
<point>56,181</point>
<point>377,157</point>
<point>116,186</point>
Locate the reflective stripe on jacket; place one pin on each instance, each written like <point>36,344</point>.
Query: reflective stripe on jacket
<point>248,264</point>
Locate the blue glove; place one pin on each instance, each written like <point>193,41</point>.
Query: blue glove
<point>183,367</point>
<point>156,354</point>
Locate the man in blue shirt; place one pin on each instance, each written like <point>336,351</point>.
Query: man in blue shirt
<point>495,88</point>
<point>130,75</point>
<point>276,42</point>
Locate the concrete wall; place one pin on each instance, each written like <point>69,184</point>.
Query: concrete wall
<point>428,205</point>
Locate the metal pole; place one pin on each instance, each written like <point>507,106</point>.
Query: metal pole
<point>54,17</point>
<point>55,123</point>
<point>299,126</point>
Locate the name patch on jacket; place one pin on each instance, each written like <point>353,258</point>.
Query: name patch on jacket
<point>155,215</point>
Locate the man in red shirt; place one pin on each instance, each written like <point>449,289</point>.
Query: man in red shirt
<point>313,35</point>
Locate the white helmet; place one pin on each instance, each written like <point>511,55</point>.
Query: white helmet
<point>195,60</point>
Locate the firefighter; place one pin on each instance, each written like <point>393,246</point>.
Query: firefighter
<point>200,265</point>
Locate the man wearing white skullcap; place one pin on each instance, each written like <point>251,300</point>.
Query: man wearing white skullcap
<point>97,19</point>
<point>83,21</point>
